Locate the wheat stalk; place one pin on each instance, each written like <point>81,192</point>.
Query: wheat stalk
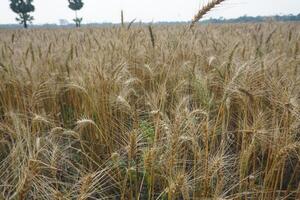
<point>151,36</point>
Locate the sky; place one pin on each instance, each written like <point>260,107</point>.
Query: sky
<point>50,11</point>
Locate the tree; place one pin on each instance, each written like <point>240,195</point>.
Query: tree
<point>76,5</point>
<point>22,8</point>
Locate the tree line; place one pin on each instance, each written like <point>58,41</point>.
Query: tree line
<point>245,19</point>
<point>24,7</point>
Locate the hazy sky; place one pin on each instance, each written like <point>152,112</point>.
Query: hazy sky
<point>50,11</point>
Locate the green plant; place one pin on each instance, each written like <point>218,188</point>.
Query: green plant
<point>76,5</point>
<point>23,8</point>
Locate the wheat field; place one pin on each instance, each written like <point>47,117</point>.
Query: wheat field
<point>158,112</point>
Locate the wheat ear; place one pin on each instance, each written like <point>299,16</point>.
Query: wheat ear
<point>204,10</point>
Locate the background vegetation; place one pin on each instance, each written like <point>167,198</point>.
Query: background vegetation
<point>243,19</point>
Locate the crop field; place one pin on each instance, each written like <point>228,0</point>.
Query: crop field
<point>159,112</point>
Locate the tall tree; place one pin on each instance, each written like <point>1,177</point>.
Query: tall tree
<point>22,8</point>
<point>76,5</point>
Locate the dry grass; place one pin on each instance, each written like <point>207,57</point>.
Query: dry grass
<point>102,114</point>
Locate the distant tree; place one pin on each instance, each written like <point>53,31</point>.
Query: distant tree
<point>76,5</point>
<point>63,22</point>
<point>22,8</point>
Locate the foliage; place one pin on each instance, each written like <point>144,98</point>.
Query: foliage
<point>243,19</point>
<point>22,8</point>
<point>76,5</point>
<point>78,21</point>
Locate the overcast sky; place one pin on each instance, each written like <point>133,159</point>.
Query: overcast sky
<point>50,11</point>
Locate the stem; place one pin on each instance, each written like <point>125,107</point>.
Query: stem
<point>25,24</point>
<point>24,20</point>
<point>76,19</point>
